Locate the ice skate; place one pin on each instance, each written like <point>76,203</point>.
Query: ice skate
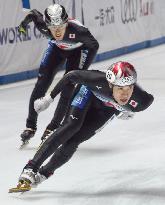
<point>44,137</point>
<point>24,143</point>
<point>28,175</point>
<point>28,180</point>
<point>23,186</point>
<point>27,134</point>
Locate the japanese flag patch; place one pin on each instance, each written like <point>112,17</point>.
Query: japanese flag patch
<point>133,103</point>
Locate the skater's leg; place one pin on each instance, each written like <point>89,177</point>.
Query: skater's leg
<point>89,128</point>
<point>50,63</point>
<point>48,68</point>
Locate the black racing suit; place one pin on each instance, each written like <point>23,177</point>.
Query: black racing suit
<point>77,51</point>
<point>92,107</point>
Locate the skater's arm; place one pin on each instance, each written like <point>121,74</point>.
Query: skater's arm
<point>83,77</point>
<point>90,46</point>
<point>36,17</point>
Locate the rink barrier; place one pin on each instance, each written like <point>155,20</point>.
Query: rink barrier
<point>100,57</point>
<point>129,49</point>
<point>11,78</point>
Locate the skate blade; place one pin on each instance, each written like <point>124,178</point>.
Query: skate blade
<point>40,145</point>
<point>42,142</point>
<point>17,190</point>
<point>21,187</point>
<point>24,144</point>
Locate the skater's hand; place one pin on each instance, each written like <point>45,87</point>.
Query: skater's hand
<point>42,103</point>
<point>22,28</point>
<point>125,115</point>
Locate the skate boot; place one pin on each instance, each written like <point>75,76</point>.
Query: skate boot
<point>26,180</point>
<point>27,134</point>
<point>31,176</point>
<point>28,175</point>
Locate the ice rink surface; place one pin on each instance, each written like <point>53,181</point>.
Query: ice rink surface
<point>124,164</point>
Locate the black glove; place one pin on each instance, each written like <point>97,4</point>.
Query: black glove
<point>22,28</point>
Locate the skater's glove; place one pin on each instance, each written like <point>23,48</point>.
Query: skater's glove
<point>125,115</point>
<point>22,28</point>
<point>42,103</point>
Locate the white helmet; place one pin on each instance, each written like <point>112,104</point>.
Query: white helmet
<point>121,74</point>
<point>55,15</point>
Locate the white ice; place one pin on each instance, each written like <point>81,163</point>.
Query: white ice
<point>124,164</point>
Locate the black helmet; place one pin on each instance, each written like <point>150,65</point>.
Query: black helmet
<point>55,15</point>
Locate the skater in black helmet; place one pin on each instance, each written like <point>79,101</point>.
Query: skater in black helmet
<point>70,43</point>
<point>100,98</point>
